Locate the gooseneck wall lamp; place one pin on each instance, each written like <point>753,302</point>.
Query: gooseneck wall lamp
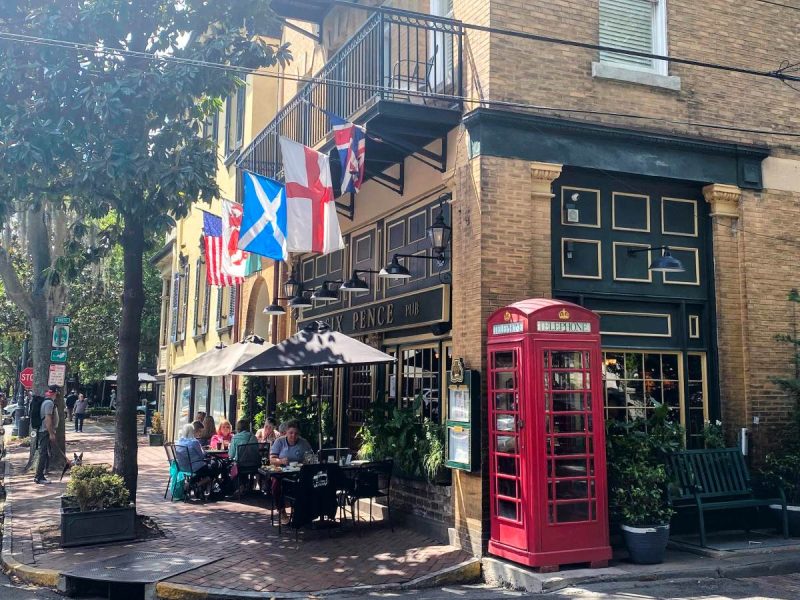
<point>666,263</point>
<point>439,234</point>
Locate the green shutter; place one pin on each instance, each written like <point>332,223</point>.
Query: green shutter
<point>627,24</point>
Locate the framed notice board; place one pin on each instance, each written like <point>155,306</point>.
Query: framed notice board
<point>463,419</point>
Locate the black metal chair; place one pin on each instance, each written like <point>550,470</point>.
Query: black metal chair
<point>371,481</point>
<point>183,461</point>
<point>312,494</point>
<point>248,461</point>
<point>415,76</point>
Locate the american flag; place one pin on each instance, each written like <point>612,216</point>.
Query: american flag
<point>351,141</point>
<point>212,235</point>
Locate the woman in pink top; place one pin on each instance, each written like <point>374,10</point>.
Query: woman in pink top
<point>223,435</point>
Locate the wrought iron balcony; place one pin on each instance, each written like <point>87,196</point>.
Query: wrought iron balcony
<point>399,75</point>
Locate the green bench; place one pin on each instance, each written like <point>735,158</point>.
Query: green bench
<point>711,480</point>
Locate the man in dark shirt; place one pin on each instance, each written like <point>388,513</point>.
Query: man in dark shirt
<point>70,401</point>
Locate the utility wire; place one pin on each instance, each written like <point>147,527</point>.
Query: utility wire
<point>575,43</point>
<point>379,88</point>
<point>779,4</point>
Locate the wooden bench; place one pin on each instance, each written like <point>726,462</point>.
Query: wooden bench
<point>709,480</point>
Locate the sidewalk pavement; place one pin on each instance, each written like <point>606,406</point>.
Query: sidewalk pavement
<point>248,555</point>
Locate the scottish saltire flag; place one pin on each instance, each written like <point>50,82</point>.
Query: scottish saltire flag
<point>312,224</point>
<point>264,222</point>
<point>234,260</point>
<point>351,141</point>
<point>212,236</point>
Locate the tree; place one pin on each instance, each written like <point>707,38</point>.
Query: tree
<point>129,104</point>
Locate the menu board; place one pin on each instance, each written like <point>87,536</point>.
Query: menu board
<point>459,407</point>
<point>458,445</point>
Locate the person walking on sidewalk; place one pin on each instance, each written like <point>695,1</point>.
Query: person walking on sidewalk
<point>81,406</point>
<point>70,401</point>
<point>46,435</point>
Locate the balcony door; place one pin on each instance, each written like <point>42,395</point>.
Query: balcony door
<point>440,50</point>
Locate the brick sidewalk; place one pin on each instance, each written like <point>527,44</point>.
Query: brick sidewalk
<point>250,554</point>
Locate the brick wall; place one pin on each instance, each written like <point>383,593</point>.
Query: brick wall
<point>423,506</point>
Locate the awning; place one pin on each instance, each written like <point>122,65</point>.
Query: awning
<point>143,378</point>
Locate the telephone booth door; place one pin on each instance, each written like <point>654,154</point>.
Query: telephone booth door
<point>507,445</point>
<point>568,515</point>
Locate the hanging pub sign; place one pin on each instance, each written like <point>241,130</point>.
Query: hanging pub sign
<point>463,418</point>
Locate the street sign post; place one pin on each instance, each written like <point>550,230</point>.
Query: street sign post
<point>58,356</point>
<point>61,320</point>
<point>26,378</point>
<point>60,336</point>
<point>58,375</point>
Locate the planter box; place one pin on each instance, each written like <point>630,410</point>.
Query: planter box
<point>156,439</point>
<point>794,518</point>
<point>96,526</point>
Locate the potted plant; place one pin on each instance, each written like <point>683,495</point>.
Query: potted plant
<point>157,430</point>
<point>433,460</point>
<point>96,508</point>
<point>638,481</point>
<point>782,471</point>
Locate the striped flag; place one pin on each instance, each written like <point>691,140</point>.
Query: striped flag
<point>212,236</point>
<point>351,142</point>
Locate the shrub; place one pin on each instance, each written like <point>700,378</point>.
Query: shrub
<point>100,411</point>
<point>95,487</point>
<point>157,427</point>
<point>712,435</point>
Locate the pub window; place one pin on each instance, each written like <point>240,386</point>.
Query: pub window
<point>632,267</point>
<point>416,227</point>
<point>336,260</point>
<point>396,236</point>
<point>630,212</point>
<point>697,399</point>
<point>679,217</point>
<point>580,259</point>
<point>636,381</point>
<point>420,370</point>
<point>690,258</point>
<point>308,269</point>
<point>580,207</point>
<point>321,266</point>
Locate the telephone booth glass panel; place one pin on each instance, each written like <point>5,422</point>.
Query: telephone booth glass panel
<point>504,368</point>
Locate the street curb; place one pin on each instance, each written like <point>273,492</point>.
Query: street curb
<point>509,575</point>
<point>468,571</point>
<point>27,573</point>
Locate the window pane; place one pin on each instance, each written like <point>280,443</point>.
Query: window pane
<point>504,380</point>
<point>669,366</point>
<point>507,509</point>
<point>567,402</point>
<point>633,366</point>
<point>507,465</point>
<point>567,360</point>
<point>564,423</point>
<point>504,360</point>
<point>506,444</point>
<point>505,401</point>
<point>695,367</point>
<point>569,445</point>
<point>572,512</point>
<point>572,490</point>
<point>571,468</point>
<point>505,422</point>
<point>507,487</point>
<point>652,366</point>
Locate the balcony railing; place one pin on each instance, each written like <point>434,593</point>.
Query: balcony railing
<point>396,55</point>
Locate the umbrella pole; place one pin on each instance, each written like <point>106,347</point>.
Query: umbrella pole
<point>319,404</point>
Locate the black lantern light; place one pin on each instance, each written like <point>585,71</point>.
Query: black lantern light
<point>292,285</point>
<point>440,232</point>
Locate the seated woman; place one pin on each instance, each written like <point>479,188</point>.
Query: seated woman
<point>222,438</point>
<point>242,437</point>
<point>267,434</point>
<point>203,471</point>
<point>287,449</point>
<point>209,429</point>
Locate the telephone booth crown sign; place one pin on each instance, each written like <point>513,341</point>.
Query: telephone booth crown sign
<point>547,460</point>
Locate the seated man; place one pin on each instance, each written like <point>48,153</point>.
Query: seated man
<point>242,437</point>
<point>203,472</point>
<point>287,449</point>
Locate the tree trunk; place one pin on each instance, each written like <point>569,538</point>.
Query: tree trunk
<point>125,443</point>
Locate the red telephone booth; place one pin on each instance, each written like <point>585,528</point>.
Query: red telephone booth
<point>547,460</point>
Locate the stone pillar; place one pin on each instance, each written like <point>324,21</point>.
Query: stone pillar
<point>542,177</point>
<point>731,305</point>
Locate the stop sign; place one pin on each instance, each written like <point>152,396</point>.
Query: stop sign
<point>26,378</point>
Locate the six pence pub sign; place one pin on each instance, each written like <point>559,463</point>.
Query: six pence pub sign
<point>563,325</point>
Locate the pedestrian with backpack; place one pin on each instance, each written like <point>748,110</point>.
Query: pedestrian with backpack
<point>44,420</point>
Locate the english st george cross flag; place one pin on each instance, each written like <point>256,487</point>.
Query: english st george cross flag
<point>212,236</point>
<point>264,221</point>
<point>311,221</point>
<point>351,141</point>
<point>234,260</point>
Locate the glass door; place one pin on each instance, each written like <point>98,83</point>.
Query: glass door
<point>506,447</point>
<point>569,449</point>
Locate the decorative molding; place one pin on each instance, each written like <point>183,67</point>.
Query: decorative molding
<point>542,177</point>
<point>724,199</point>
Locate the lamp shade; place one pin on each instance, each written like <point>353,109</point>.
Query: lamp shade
<point>354,284</point>
<point>275,309</point>
<point>394,270</point>
<point>325,294</point>
<point>666,263</point>
<point>439,233</point>
<point>300,300</point>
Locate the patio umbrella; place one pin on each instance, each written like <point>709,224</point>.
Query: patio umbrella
<point>318,347</point>
<point>221,360</point>
<point>143,378</point>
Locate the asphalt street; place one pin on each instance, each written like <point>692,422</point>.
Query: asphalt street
<point>758,588</point>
